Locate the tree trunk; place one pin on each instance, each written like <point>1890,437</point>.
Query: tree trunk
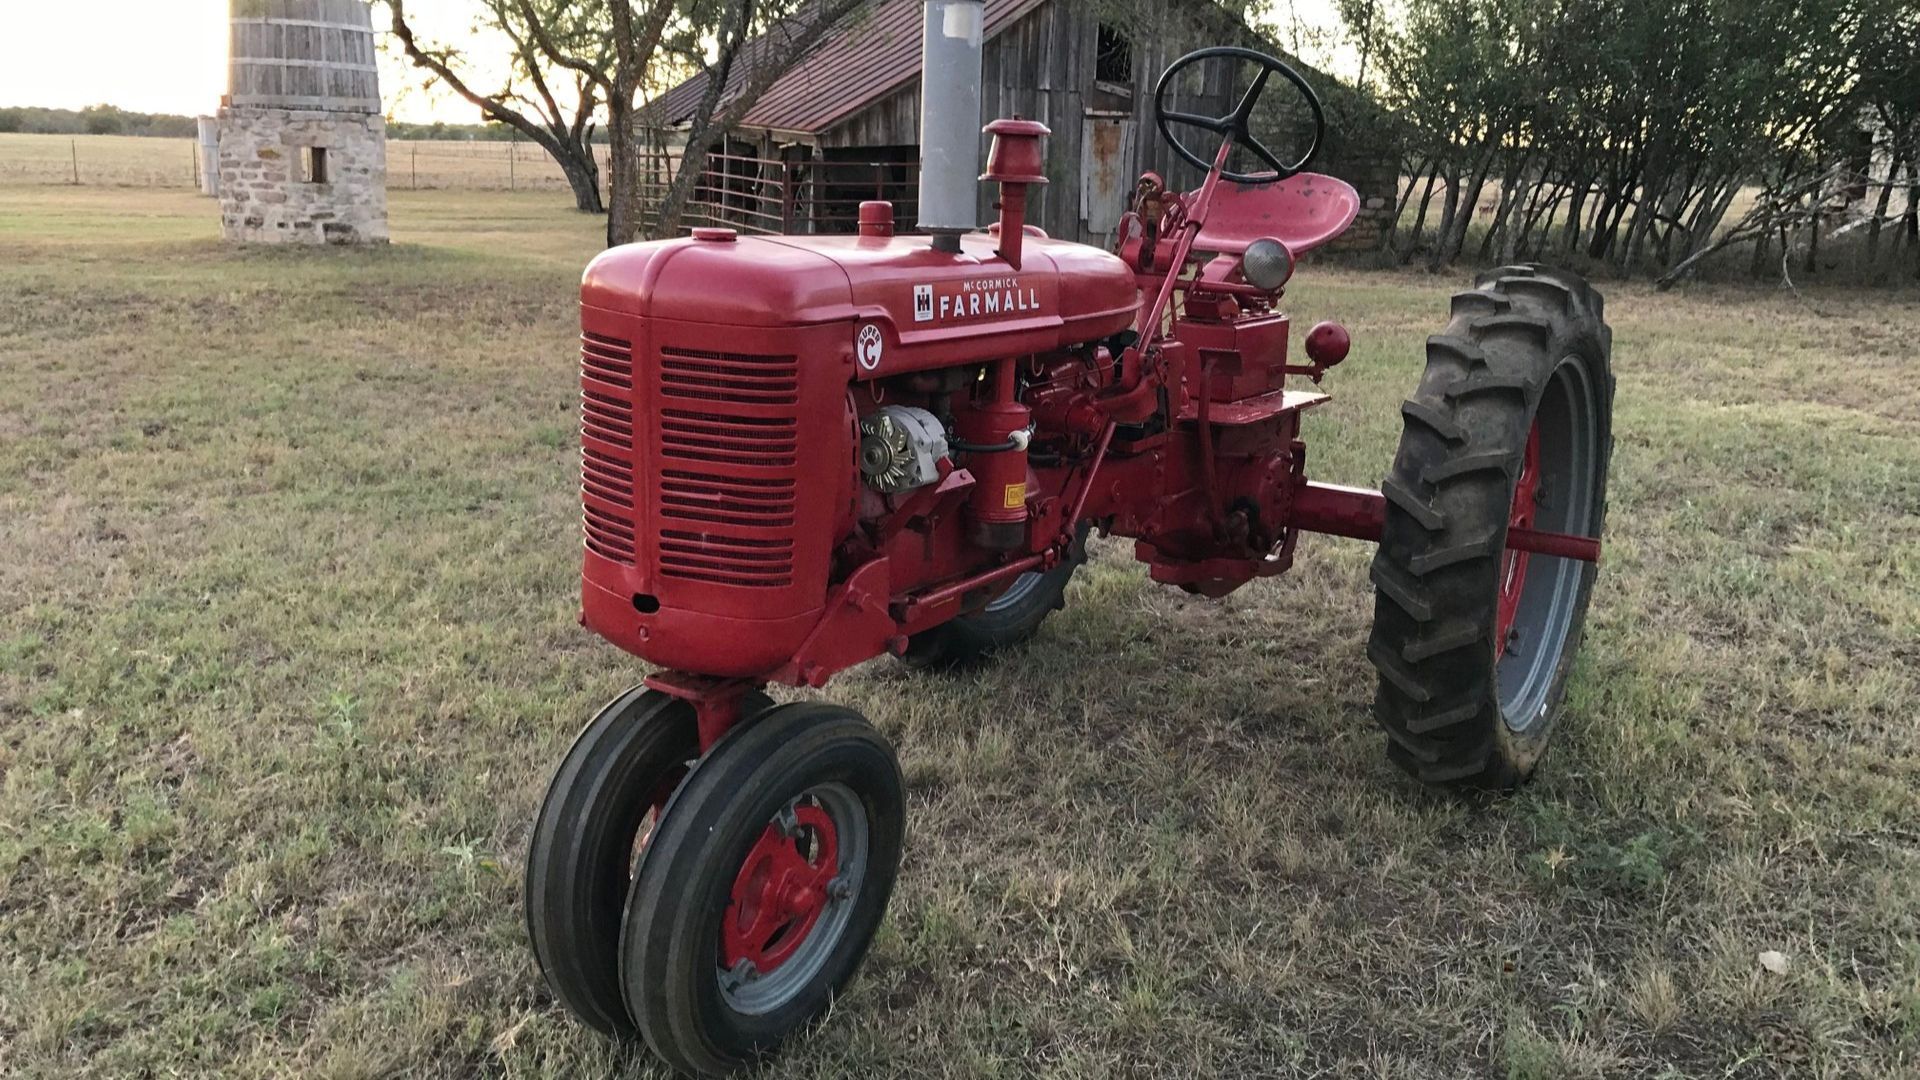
<point>1463,217</point>
<point>1400,208</point>
<point>1762,255</point>
<point>1546,198</point>
<point>626,212</point>
<point>1420,219</point>
<point>584,178</point>
<point>1510,192</point>
<point>1912,230</point>
<point>1880,208</point>
<point>673,206</point>
<point>1449,209</point>
<point>1576,213</point>
<point>1811,264</point>
<point>1516,214</point>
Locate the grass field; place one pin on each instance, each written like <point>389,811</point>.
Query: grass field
<point>287,650</point>
<point>128,161</point>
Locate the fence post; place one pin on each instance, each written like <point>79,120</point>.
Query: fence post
<point>786,198</point>
<point>416,167</point>
<point>73,145</point>
<point>513,147</point>
<point>195,151</point>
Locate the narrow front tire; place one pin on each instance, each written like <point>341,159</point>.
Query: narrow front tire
<point>760,894</point>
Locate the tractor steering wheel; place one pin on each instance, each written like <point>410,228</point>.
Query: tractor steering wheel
<point>1236,126</point>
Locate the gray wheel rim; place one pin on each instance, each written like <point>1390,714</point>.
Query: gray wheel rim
<point>1022,587</point>
<point>754,994</point>
<point>1550,602</point>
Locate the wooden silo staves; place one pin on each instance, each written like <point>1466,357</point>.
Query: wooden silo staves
<point>302,140</point>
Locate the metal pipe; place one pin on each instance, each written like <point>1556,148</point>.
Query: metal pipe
<point>950,104</point>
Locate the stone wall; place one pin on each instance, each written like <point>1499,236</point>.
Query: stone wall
<point>1376,176</point>
<point>266,194</point>
<point>1363,148</point>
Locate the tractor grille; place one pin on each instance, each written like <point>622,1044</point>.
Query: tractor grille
<point>607,462</point>
<point>728,455</point>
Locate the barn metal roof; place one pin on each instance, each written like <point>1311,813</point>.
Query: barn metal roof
<point>870,55</point>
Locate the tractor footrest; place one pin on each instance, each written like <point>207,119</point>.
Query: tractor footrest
<point>1253,410</point>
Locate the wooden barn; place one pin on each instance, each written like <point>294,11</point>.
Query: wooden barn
<point>842,126</point>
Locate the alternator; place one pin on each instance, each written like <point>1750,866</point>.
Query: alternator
<point>901,448</point>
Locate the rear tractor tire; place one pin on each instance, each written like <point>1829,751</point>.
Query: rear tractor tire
<point>1009,620</point>
<point>1511,427</point>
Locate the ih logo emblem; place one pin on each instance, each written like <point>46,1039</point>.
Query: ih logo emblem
<point>923,303</point>
<point>872,346</point>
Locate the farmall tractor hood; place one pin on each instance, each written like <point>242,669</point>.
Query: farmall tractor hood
<point>907,306</point>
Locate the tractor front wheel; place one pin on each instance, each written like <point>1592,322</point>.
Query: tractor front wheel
<point>1511,427</point>
<point>601,810</point>
<point>760,892</point>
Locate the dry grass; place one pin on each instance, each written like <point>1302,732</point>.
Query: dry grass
<point>287,651</point>
<point>127,161</point>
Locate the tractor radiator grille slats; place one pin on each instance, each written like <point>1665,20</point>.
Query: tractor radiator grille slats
<point>720,500</point>
<point>728,451</point>
<point>707,437</point>
<point>606,464</point>
<point>740,380</point>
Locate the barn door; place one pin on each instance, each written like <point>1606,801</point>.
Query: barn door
<point>1107,176</point>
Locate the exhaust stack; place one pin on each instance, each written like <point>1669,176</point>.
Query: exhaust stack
<point>950,97</point>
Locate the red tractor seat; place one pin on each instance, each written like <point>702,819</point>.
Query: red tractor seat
<point>1303,212</point>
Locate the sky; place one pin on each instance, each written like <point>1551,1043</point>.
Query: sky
<point>170,56</point>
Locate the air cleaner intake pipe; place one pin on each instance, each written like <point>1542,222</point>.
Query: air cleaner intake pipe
<point>950,97</point>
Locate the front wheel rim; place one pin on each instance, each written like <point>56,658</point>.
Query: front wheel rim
<point>1539,598</point>
<point>792,899</point>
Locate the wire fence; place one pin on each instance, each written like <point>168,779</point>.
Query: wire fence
<point>128,161</point>
<point>761,195</point>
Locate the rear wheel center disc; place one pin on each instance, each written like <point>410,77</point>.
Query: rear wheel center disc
<point>1513,571</point>
<point>1539,596</point>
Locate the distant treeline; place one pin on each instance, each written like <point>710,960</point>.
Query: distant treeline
<point>94,120</point>
<point>109,120</point>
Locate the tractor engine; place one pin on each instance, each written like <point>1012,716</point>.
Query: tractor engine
<point>762,413</point>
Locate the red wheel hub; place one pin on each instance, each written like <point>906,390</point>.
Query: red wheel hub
<point>781,891</point>
<point>1513,571</point>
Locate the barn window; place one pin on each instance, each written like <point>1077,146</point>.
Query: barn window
<point>313,164</point>
<point>1115,61</point>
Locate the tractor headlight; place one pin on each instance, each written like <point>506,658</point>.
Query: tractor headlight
<point>1267,265</point>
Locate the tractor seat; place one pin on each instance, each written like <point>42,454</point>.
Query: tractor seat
<point>1304,212</point>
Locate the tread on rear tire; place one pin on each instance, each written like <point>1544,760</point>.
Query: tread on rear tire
<point>1529,346</point>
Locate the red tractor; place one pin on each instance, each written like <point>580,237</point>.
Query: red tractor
<point>802,454</point>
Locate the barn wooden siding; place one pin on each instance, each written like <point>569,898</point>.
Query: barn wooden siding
<point>1042,68</point>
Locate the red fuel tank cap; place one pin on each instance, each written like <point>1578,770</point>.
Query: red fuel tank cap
<point>716,236</point>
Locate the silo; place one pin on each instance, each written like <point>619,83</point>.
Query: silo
<point>209,149</point>
<point>303,147</point>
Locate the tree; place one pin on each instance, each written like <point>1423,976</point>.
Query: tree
<point>1621,131</point>
<point>641,46</point>
<point>103,120</point>
<point>527,101</point>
